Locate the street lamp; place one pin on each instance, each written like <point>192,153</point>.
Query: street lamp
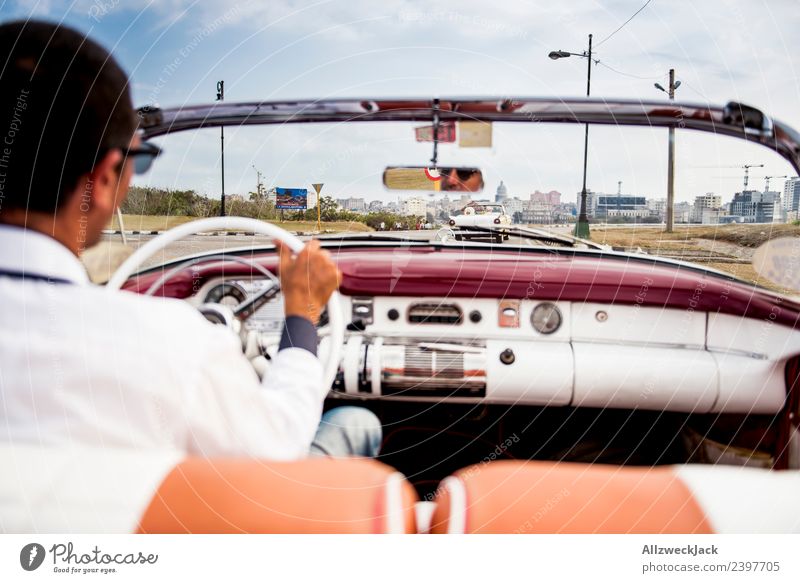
<point>582,226</point>
<point>221,97</point>
<point>673,85</point>
<point>258,182</point>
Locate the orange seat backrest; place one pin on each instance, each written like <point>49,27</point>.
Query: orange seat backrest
<point>559,497</point>
<point>316,495</point>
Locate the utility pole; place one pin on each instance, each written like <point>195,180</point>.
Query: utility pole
<point>673,85</point>
<point>582,225</point>
<point>259,192</point>
<point>671,161</point>
<point>221,97</point>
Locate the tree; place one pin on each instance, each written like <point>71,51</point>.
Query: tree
<point>328,209</point>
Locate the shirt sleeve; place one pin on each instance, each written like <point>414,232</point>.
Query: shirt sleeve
<point>232,413</point>
<point>299,332</point>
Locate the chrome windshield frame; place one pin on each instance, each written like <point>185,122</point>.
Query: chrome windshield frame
<point>734,119</point>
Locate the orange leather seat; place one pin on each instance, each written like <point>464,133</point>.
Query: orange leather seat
<point>552,497</point>
<point>316,495</point>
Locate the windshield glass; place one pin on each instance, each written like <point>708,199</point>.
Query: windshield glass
<point>729,196</point>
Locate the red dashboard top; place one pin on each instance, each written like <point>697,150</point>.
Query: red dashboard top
<point>519,274</point>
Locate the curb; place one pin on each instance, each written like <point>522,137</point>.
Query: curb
<point>211,234</point>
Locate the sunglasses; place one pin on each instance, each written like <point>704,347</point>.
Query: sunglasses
<point>143,156</point>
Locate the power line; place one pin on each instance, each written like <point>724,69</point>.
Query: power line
<point>700,93</point>
<point>624,23</point>
<point>628,74</point>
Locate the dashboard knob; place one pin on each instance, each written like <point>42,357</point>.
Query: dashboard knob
<point>393,314</point>
<point>475,316</point>
<point>507,356</point>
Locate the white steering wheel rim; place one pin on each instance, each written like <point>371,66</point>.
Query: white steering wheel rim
<point>146,251</point>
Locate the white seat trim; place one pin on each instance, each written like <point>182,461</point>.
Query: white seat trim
<point>457,523</point>
<point>745,500</point>
<point>78,489</point>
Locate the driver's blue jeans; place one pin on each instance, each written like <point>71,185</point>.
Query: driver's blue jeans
<point>348,431</point>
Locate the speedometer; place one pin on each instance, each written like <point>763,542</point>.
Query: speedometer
<point>546,318</point>
<point>227,294</point>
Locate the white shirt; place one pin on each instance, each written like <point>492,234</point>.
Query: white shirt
<point>82,365</point>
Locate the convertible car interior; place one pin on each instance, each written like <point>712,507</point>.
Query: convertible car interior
<point>545,384</point>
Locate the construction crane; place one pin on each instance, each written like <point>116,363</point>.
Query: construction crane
<point>747,172</point>
<point>767,179</point>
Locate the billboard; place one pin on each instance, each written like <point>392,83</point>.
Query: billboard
<point>291,199</point>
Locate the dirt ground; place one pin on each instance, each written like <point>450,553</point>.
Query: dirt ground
<point>727,248</point>
<point>741,235</point>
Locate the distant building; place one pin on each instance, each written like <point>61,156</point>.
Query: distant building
<point>791,195</point>
<point>502,193</point>
<point>565,212</point>
<point>352,204</point>
<point>415,206</point>
<point>754,206</point>
<point>552,198</point>
<point>657,208</point>
<point>513,205</point>
<point>707,209</point>
<point>445,205</point>
<point>541,207</point>
<point>682,212</point>
<point>537,213</point>
<point>375,206</point>
<point>591,203</point>
<point>619,206</point>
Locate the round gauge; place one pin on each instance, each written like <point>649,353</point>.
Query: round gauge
<point>226,294</point>
<point>546,318</point>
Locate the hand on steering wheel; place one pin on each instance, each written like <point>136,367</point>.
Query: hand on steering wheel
<point>309,277</point>
<point>307,280</point>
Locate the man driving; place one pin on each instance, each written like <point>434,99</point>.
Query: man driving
<point>82,365</point>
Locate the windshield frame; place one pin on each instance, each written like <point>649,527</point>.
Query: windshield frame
<point>733,119</point>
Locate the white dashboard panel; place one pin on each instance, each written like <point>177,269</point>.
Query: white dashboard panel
<point>749,385</point>
<point>642,325</point>
<point>764,338</point>
<point>624,376</point>
<point>541,373</point>
<point>488,326</point>
<point>602,355</point>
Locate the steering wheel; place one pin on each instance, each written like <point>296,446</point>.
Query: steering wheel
<point>146,251</point>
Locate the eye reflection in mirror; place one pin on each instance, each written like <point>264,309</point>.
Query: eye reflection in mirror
<point>445,179</point>
<point>462,180</point>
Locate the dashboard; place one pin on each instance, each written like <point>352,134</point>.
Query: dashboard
<point>542,352</point>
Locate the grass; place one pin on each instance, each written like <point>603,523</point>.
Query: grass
<point>161,223</point>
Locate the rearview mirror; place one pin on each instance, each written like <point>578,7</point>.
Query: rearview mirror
<point>446,179</point>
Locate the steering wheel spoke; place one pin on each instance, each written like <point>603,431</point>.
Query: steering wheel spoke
<point>251,305</point>
<point>333,341</point>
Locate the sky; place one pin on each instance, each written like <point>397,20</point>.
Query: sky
<point>175,52</point>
